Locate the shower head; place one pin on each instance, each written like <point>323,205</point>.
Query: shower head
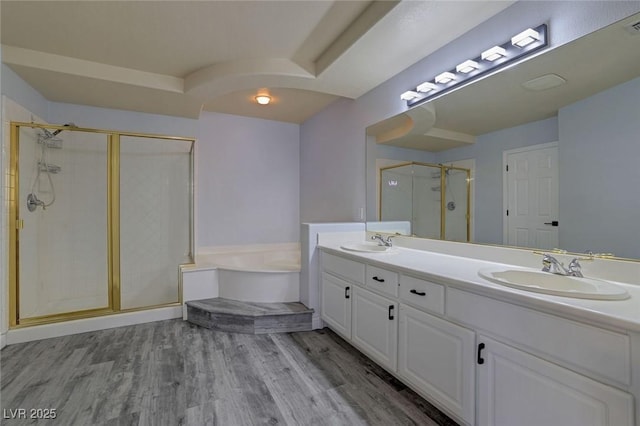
<point>60,130</point>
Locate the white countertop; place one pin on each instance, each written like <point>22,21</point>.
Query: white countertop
<point>462,273</point>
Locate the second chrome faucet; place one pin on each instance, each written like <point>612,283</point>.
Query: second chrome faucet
<point>552,265</point>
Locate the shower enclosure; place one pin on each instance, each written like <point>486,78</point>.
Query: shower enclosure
<point>103,220</point>
<point>434,198</point>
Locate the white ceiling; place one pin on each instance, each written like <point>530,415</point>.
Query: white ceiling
<point>179,57</point>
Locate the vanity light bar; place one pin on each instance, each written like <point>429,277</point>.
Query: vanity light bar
<point>445,77</point>
<point>409,95</point>
<point>467,66</point>
<point>518,47</point>
<point>426,87</point>
<point>525,38</point>
<point>493,54</point>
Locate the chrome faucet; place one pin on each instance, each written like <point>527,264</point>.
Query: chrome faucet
<point>552,265</point>
<point>382,241</point>
<point>575,269</point>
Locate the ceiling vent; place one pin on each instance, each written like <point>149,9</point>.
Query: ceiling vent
<point>633,28</point>
<point>544,82</point>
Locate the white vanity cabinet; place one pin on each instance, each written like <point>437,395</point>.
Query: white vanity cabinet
<point>482,359</point>
<point>375,327</point>
<point>336,304</point>
<point>336,291</point>
<point>433,356</point>
<point>437,357</point>
<point>516,388</point>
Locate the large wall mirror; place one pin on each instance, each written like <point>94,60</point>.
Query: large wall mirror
<point>566,125</point>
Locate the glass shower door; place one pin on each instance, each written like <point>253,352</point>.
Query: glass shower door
<point>62,204</point>
<point>155,219</point>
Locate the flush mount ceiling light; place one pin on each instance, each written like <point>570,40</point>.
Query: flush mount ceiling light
<point>490,60</point>
<point>263,99</point>
<point>467,66</point>
<point>493,54</point>
<point>525,38</point>
<point>445,77</point>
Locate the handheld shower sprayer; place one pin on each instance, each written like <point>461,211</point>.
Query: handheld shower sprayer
<point>47,139</point>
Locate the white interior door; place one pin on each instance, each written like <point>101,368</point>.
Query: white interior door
<point>531,194</point>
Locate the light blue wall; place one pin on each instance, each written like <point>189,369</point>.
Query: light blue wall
<point>487,151</point>
<point>336,136</point>
<point>332,164</point>
<point>248,182</point>
<point>114,119</point>
<point>599,180</point>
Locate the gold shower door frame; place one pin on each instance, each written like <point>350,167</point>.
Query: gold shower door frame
<point>113,226</point>
<point>443,186</point>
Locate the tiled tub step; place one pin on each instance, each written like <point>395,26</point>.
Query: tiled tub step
<point>249,317</point>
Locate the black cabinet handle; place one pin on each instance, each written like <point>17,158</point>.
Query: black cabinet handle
<point>552,223</point>
<point>416,292</point>
<point>480,348</point>
<point>380,280</point>
<point>346,292</point>
<point>391,312</point>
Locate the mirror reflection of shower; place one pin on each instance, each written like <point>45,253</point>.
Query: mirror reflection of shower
<point>43,192</point>
<point>433,198</point>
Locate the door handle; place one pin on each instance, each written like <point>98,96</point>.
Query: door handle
<point>552,223</point>
<point>346,292</point>
<point>391,317</point>
<point>416,292</point>
<point>380,280</point>
<point>480,348</point>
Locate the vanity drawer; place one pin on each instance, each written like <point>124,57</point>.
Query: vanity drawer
<point>422,294</point>
<point>382,280</point>
<point>594,351</point>
<point>344,268</point>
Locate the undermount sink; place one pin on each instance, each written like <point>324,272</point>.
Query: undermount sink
<point>558,285</point>
<point>366,247</point>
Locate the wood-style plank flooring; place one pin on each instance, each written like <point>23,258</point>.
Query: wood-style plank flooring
<point>175,373</point>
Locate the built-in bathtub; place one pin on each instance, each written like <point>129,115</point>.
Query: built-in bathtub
<point>254,273</point>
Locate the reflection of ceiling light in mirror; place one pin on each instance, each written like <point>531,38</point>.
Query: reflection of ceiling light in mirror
<point>445,77</point>
<point>467,66</point>
<point>426,87</point>
<point>493,54</point>
<point>408,95</point>
<point>263,99</point>
<point>526,37</point>
<point>544,82</point>
<point>393,183</point>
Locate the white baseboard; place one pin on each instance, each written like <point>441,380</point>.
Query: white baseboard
<point>39,332</point>
<point>3,340</point>
<point>316,322</point>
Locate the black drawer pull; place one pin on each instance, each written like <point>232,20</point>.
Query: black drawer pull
<point>380,280</point>
<point>391,312</point>
<point>346,292</point>
<point>480,348</point>
<point>416,292</point>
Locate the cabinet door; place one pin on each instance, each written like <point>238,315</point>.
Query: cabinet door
<point>515,388</point>
<point>336,304</point>
<point>375,329</point>
<point>438,358</point>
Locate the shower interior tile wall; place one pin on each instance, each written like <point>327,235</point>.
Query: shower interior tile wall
<point>63,248</point>
<point>154,218</point>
